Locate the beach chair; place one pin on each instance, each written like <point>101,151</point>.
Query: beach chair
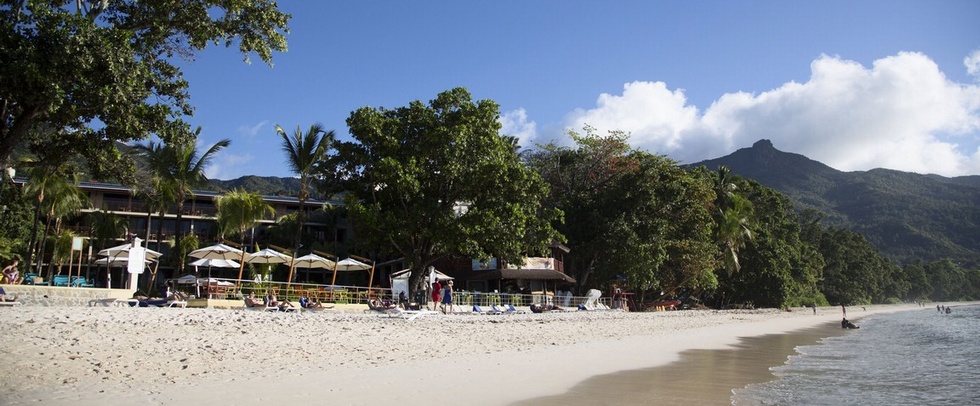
<point>80,281</point>
<point>60,280</point>
<point>592,301</point>
<point>479,310</point>
<point>7,302</point>
<point>497,310</point>
<point>30,278</point>
<point>398,312</point>
<point>513,310</point>
<point>255,305</point>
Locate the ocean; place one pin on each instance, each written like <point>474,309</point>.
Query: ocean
<point>918,357</point>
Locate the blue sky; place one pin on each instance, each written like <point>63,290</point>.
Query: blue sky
<point>856,85</point>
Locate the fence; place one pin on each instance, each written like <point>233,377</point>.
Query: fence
<point>340,294</point>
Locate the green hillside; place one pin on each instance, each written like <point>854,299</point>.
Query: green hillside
<point>906,215</point>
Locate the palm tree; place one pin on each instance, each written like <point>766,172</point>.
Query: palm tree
<point>303,152</point>
<point>54,187</point>
<point>157,199</point>
<point>239,210</point>
<point>105,226</point>
<point>180,169</point>
<point>733,218</point>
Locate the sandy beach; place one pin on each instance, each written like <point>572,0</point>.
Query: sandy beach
<point>160,356</point>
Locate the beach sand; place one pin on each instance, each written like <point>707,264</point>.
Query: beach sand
<point>159,356</point>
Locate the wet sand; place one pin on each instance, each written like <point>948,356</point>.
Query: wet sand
<point>700,377</point>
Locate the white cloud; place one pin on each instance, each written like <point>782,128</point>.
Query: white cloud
<point>972,63</point>
<point>515,124</point>
<point>226,166</point>
<point>902,113</point>
<point>254,130</point>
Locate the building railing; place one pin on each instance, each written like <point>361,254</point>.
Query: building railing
<point>233,289</point>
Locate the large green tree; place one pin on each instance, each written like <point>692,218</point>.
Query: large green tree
<point>432,180</point>
<point>303,152</point>
<point>104,71</point>
<point>630,214</point>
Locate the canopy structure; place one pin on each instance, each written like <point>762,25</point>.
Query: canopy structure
<point>529,274</point>
<point>309,261</point>
<point>267,256</point>
<point>217,263</point>
<point>116,262</point>
<point>217,251</point>
<point>313,261</point>
<point>351,264</point>
<point>400,280</point>
<point>221,251</point>
<point>122,251</point>
<point>119,256</point>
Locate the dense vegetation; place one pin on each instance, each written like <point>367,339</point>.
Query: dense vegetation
<point>905,215</point>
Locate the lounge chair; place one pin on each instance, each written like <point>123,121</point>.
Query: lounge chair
<point>497,310</point>
<point>60,280</point>
<point>409,314</point>
<point>8,302</point>
<point>592,301</point>
<point>478,310</point>
<point>80,281</point>
<point>513,310</point>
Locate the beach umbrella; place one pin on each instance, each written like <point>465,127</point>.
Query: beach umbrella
<point>122,251</point>
<point>313,261</point>
<point>310,261</point>
<point>116,262</point>
<point>220,251</point>
<point>215,262</point>
<point>118,252</point>
<point>349,264</point>
<point>217,251</point>
<point>267,256</point>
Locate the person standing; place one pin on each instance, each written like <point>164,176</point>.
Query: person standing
<point>436,294</point>
<point>447,297</point>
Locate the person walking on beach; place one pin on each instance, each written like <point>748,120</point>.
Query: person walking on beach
<point>447,297</point>
<point>844,310</point>
<point>814,306</point>
<point>436,294</point>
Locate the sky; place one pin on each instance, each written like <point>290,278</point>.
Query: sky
<point>856,85</point>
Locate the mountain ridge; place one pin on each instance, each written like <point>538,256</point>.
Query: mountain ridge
<point>906,215</point>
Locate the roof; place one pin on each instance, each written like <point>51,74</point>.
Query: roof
<point>528,274</point>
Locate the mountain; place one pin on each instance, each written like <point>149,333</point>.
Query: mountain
<point>263,185</point>
<point>906,215</point>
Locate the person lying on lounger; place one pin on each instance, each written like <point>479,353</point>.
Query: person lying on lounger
<point>4,298</point>
<point>283,305</point>
<point>311,304</point>
<point>381,305</point>
<point>250,301</point>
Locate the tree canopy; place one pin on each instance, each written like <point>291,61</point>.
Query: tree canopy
<point>433,180</point>
<point>91,73</point>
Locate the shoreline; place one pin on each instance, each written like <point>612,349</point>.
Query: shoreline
<point>162,356</point>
